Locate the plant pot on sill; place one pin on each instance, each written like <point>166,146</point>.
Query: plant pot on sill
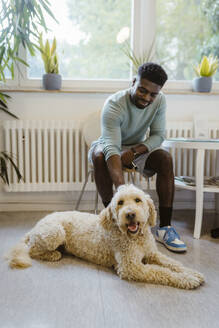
<point>52,81</point>
<point>202,84</point>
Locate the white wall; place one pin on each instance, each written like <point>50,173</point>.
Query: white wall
<point>75,106</point>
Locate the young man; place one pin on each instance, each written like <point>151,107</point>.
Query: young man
<point>126,116</point>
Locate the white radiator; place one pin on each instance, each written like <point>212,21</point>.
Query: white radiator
<point>52,155</point>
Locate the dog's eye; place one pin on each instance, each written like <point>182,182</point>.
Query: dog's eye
<point>120,202</point>
<point>137,200</point>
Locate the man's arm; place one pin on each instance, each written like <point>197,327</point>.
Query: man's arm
<point>111,133</point>
<point>114,165</point>
<point>110,129</point>
<point>157,127</point>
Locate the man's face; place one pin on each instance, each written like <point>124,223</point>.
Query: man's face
<point>143,92</point>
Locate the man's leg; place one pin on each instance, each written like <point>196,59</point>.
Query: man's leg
<point>161,162</point>
<point>102,177</point>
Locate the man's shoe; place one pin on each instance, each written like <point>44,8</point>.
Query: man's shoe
<point>170,238</point>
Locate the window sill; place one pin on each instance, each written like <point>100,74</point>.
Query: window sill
<point>103,86</point>
<point>65,90</point>
<point>190,92</point>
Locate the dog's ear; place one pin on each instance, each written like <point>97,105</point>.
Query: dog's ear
<point>152,212</point>
<point>106,218</point>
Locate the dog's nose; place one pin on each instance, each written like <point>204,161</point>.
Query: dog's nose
<point>130,215</point>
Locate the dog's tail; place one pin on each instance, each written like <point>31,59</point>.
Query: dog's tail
<point>18,257</point>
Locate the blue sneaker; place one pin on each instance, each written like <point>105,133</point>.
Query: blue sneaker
<point>170,238</point>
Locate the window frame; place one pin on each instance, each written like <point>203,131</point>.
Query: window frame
<point>143,29</point>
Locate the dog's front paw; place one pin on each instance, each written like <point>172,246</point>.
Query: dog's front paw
<point>196,274</point>
<point>188,281</point>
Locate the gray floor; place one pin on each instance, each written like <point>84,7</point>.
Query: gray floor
<point>73,293</point>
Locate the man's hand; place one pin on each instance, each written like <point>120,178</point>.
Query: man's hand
<point>127,157</point>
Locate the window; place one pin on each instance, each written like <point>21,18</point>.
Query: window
<point>186,30</point>
<point>89,39</point>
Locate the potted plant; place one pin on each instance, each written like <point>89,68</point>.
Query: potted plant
<point>140,59</point>
<point>205,70</point>
<point>52,80</point>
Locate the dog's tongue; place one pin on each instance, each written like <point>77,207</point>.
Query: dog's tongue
<point>132,227</point>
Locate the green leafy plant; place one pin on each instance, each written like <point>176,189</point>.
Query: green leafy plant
<point>207,67</point>
<point>20,25</point>
<point>49,55</point>
<point>4,159</point>
<point>137,61</point>
<point>20,21</point>
<point>4,104</point>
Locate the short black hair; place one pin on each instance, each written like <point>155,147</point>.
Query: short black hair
<point>153,72</point>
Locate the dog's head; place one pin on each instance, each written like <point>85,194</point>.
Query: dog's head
<point>130,210</point>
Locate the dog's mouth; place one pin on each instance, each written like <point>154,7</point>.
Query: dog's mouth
<point>133,227</point>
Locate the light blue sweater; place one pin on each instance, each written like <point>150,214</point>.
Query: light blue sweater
<point>122,123</point>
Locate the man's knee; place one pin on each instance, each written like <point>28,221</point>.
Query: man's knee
<point>98,158</point>
<point>165,161</point>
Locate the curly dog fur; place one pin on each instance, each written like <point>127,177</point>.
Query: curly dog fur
<point>119,237</point>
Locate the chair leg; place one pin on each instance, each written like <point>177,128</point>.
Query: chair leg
<point>132,177</point>
<point>82,191</point>
<point>217,203</point>
<point>148,183</point>
<point>96,202</point>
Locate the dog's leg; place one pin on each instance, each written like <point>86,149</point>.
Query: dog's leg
<point>43,246</point>
<point>131,268</point>
<point>167,262</point>
<point>39,254</point>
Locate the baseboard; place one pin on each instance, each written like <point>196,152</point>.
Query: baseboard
<point>66,201</point>
<point>46,206</point>
<point>85,205</point>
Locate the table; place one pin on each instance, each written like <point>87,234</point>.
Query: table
<point>200,146</point>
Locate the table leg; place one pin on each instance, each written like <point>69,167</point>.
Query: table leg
<point>217,203</point>
<point>217,174</point>
<point>199,172</point>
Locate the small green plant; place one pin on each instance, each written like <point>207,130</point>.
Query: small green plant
<point>207,67</point>
<point>137,61</point>
<point>49,55</point>
<point>4,159</point>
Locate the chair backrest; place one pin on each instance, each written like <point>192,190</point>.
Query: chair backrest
<point>90,127</point>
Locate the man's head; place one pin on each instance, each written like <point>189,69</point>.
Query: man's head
<point>146,86</point>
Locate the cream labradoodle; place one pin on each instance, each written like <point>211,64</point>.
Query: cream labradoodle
<point>119,237</point>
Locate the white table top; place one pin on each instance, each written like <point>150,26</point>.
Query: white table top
<point>191,143</point>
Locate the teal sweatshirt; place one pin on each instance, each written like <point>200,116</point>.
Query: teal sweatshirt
<point>122,123</point>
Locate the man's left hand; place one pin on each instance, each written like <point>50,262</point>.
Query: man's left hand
<point>127,157</point>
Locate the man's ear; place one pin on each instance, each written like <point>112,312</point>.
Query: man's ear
<point>152,213</point>
<point>106,218</point>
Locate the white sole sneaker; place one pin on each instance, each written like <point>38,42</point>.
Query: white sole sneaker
<point>171,248</point>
